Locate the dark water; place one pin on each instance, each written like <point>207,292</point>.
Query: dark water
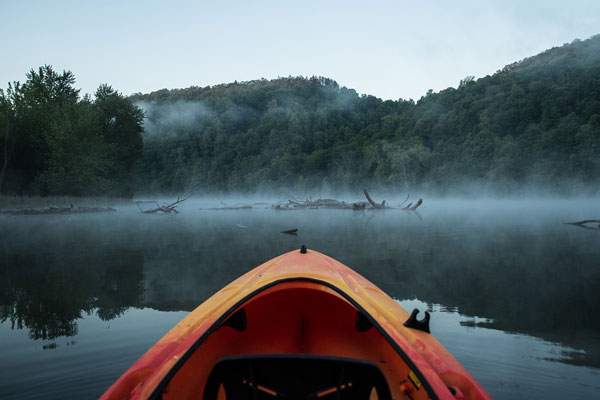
<point>514,293</point>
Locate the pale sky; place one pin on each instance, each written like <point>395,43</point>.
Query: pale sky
<point>390,49</point>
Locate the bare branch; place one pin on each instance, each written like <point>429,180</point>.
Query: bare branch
<point>585,222</point>
<point>168,208</point>
<point>417,204</point>
<point>373,204</point>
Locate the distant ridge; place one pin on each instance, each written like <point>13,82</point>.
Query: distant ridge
<point>533,124</point>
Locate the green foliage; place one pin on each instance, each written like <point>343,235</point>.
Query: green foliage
<point>535,121</point>
<point>56,143</point>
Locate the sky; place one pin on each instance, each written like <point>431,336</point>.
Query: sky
<point>389,49</point>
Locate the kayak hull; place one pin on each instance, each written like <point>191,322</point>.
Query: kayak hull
<point>303,304</point>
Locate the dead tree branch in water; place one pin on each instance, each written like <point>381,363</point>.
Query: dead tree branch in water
<point>405,200</point>
<point>373,204</point>
<point>583,224</point>
<point>167,208</point>
<point>417,204</point>
<point>413,207</point>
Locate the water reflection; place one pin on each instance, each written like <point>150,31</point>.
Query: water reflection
<point>511,365</point>
<point>46,286</point>
<point>518,270</point>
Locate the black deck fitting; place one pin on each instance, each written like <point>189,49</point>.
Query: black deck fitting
<point>303,249</point>
<point>237,321</point>
<point>414,323</point>
<point>362,323</point>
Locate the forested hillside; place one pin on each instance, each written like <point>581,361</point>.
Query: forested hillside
<point>535,122</point>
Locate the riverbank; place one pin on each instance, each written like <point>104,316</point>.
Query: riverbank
<point>19,202</point>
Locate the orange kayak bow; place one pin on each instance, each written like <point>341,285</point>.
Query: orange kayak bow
<point>299,326</point>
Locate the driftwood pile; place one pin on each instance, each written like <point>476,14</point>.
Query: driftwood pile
<point>57,210</point>
<point>291,204</point>
<point>341,205</point>
<point>320,203</point>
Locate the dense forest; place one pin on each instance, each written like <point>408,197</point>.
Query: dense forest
<point>534,124</point>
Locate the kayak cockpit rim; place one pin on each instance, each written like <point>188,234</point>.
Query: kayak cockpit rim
<point>157,392</point>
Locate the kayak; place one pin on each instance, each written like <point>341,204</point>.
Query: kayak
<point>299,326</point>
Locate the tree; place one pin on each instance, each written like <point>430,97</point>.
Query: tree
<point>120,124</point>
<point>55,142</point>
<point>42,106</point>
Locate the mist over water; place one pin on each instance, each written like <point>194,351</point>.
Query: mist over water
<point>513,290</point>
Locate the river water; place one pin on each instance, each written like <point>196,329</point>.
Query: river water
<point>514,293</point>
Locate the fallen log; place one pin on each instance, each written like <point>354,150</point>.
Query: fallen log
<point>359,206</point>
<point>244,207</point>
<point>238,206</point>
<point>309,204</point>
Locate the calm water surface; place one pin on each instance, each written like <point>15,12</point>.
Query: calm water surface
<point>513,292</point>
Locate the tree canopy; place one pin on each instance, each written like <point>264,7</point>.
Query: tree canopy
<point>56,142</point>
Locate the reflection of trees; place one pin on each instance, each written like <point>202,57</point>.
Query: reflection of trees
<point>47,289</point>
<point>122,287</point>
<point>45,318</point>
<point>537,284</point>
<point>544,285</point>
